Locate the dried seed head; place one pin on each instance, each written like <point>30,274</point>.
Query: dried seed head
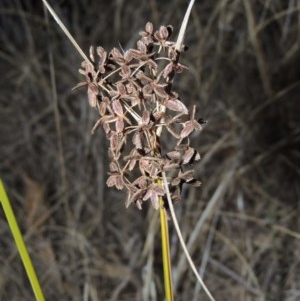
<point>135,102</point>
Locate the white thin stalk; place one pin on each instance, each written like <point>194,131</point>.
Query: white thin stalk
<point>66,31</point>
<point>184,23</point>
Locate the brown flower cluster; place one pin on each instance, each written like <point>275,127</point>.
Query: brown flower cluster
<point>132,91</point>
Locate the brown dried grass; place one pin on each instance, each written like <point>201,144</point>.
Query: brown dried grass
<point>242,225</point>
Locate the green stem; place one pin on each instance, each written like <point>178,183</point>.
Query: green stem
<point>13,225</point>
<point>166,253</point>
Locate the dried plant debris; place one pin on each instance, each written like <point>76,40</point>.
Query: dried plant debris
<point>132,91</point>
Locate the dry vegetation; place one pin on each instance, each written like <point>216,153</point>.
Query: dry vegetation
<point>242,226</point>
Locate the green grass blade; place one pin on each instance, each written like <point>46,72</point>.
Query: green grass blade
<point>13,225</point>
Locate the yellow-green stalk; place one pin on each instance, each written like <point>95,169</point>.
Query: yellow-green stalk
<point>13,225</point>
<point>168,284</point>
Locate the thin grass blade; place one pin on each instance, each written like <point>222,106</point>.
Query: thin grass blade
<point>13,225</point>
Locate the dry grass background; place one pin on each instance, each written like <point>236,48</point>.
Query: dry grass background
<point>242,225</point>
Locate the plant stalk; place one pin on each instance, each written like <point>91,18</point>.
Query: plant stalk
<point>13,225</point>
<point>168,284</point>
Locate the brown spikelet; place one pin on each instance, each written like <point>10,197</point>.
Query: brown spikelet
<point>133,94</point>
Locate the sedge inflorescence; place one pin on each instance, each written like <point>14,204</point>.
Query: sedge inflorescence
<point>132,91</point>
